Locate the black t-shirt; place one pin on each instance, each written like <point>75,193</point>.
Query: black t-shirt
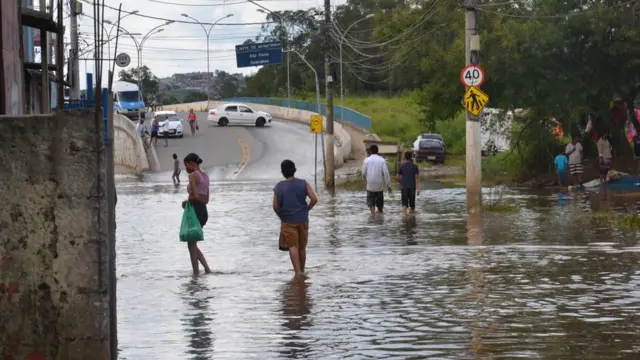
<point>408,171</point>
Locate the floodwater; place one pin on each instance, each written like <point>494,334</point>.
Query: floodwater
<point>545,282</point>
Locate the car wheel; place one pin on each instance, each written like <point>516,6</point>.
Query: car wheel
<point>223,122</point>
<point>260,122</point>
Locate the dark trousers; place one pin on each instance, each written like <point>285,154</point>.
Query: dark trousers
<point>409,198</point>
<point>375,198</point>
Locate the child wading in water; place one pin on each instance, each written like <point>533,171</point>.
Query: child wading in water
<point>409,179</point>
<point>176,170</point>
<point>561,162</point>
<point>290,204</point>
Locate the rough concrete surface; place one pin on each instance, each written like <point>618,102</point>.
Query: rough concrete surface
<point>53,253</point>
<point>128,150</point>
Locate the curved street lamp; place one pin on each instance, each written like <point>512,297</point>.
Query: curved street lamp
<point>207,33</point>
<point>286,45</point>
<point>341,78</point>
<point>113,25</point>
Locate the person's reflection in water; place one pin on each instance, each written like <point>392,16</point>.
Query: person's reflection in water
<point>296,310</point>
<point>409,229</point>
<point>197,319</point>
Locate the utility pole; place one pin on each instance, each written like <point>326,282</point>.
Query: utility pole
<point>330,161</point>
<point>473,148</point>
<point>76,9</point>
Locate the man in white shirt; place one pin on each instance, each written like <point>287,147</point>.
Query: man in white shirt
<point>574,152</point>
<point>165,130</point>
<point>376,175</point>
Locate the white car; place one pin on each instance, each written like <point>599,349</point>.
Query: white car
<point>238,114</point>
<point>176,128</point>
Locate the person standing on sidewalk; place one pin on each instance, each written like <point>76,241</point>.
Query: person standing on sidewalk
<point>290,204</point>
<point>376,175</point>
<point>409,179</point>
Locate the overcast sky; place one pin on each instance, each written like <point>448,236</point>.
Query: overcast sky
<point>181,48</point>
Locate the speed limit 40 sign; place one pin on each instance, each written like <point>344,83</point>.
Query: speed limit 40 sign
<point>472,75</point>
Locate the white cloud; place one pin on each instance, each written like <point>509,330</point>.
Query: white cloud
<point>181,48</point>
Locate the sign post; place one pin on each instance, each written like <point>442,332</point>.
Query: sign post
<point>475,100</point>
<point>472,75</point>
<point>123,60</point>
<point>259,54</point>
<point>315,125</point>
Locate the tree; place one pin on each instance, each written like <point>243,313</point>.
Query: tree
<point>195,96</point>
<point>145,78</point>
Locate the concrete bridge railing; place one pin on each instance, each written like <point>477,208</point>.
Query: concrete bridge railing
<point>128,150</point>
<point>342,146</point>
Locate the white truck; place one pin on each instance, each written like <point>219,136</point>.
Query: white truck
<point>128,100</point>
<point>496,127</point>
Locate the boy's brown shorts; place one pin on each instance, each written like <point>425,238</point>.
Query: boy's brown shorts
<point>293,235</point>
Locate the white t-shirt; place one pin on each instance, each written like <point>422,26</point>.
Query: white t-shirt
<point>575,153</point>
<point>165,125</point>
<point>376,173</point>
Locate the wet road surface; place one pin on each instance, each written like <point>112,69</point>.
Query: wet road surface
<point>236,150</point>
<point>544,282</point>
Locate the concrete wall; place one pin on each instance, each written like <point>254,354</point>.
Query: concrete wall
<point>53,238</point>
<point>11,69</point>
<point>128,150</point>
<point>342,146</point>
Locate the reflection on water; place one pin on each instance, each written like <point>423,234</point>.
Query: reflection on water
<point>198,319</point>
<point>296,310</point>
<point>544,282</point>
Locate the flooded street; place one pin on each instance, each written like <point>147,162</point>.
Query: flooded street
<point>543,282</point>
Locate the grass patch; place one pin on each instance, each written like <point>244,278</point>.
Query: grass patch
<point>629,222</point>
<point>625,221</point>
<point>495,201</point>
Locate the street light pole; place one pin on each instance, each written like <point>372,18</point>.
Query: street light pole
<point>264,10</point>
<point>342,78</point>
<point>207,33</point>
<point>111,29</point>
<point>324,161</point>
<point>139,45</point>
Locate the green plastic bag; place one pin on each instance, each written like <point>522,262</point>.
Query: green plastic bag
<point>190,229</point>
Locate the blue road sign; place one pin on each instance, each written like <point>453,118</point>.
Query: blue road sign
<point>259,54</point>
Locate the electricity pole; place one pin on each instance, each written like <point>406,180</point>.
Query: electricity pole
<point>473,148</point>
<point>330,161</point>
<point>76,9</point>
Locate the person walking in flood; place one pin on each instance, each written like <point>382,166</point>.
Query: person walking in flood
<point>560,162</point>
<point>290,204</point>
<point>409,179</point>
<point>376,175</point>
<point>176,170</point>
<point>198,190</point>
<point>604,157</point>
<point>192,122</point>
<point>574,152</point>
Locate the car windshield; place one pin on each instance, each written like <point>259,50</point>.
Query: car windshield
<point>430,144</point>
<point>163,117</point>
<point>129,96</point>
<point>432,136</point>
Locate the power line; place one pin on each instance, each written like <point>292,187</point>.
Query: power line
<point>174,20</point>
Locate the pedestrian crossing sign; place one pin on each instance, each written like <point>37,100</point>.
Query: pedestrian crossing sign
<point>475,100</point>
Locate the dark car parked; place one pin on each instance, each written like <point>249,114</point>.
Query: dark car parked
<point>430,150</point>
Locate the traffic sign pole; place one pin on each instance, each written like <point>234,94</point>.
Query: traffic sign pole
<point>472,75</point>
<point>473,172</point>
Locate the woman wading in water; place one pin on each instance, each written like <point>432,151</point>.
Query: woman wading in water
<point>198,189</point>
